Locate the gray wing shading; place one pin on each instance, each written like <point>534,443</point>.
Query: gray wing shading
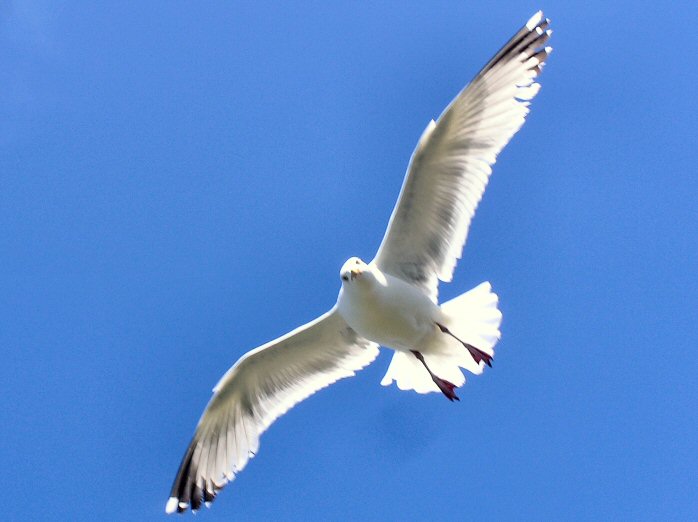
<point>261,386</point>
<point>450,167</point>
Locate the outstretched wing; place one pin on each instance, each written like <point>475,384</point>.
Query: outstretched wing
<point>264,384</point>
<point>450,167</point>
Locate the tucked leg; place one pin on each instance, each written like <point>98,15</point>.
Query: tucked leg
<point>477,354</point>
<point>445,386</point>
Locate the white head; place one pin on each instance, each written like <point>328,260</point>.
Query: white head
<point>352,269</point>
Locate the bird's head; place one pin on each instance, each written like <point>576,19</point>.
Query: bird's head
<point>352,269</point>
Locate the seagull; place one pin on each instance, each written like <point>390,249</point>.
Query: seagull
<point>393,300</point>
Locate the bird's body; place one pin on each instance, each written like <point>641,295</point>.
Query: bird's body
<point>393,300</point>
<point>387,310</point>
<point>395,314</point>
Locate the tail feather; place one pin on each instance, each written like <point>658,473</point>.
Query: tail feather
<point>409,374</point>
<point>472,317</point>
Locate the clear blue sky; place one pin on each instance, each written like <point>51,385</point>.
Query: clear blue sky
<point>181,183</point>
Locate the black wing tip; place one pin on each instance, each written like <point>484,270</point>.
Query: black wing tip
<point>187,492</point>
<point>175,505</point>
<point>537,20</point>
<point>530,39</point>
<point>199,496</point>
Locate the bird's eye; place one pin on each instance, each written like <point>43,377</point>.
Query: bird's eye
<point>345,278</point>
<point>357,261</point>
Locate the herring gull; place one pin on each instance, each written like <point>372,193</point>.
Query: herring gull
<point>391,301</point>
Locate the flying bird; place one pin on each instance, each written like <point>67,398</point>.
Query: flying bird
<point>393,300</point>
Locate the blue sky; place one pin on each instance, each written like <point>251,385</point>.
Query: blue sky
<point>180,183</point>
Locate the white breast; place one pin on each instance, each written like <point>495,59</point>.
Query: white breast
<point>387,310</point>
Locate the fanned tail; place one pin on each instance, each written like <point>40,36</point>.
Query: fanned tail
<point>472,320</point>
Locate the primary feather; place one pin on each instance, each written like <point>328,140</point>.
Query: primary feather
<point>450,166</point>
<point>259,388</point>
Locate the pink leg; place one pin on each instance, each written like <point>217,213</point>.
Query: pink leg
<point>477,354</point>
<point>445,386</point>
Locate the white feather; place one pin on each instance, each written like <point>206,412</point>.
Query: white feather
<point>260,387</point>
<point>393,301</point>
<point>450,166</point>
